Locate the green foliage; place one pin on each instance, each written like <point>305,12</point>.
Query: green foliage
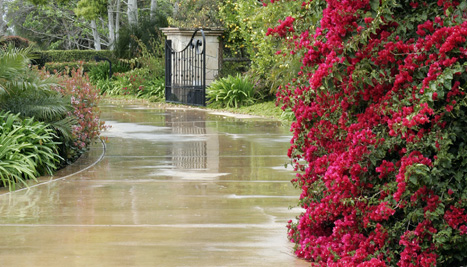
<point>195,14</point>
<point>154,90</point>
<point>51,25</point>
<point>246,23</point>
<point>152,56</point>
<point>13,63</point>
<point>90,9</point>
<point>147,32</point>
<point>47,106</point>
<point>264,109</point>
<point>27,150</point>
<point>138,82</point>
<point>233,91</point>
<point>100,71</point>
<point>60,67</point>
<point>29,95</point>
<point>71,56</point>
<point>233,68</point>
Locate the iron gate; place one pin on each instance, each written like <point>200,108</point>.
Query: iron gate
<point>185,72</point>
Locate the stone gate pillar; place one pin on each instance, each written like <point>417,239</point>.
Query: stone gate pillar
<point>181,37</point>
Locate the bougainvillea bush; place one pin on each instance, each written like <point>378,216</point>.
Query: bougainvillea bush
<point>379,142</point>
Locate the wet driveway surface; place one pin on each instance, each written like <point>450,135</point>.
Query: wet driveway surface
<point>174,188</point>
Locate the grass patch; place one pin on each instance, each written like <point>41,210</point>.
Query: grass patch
<point>264,109</point>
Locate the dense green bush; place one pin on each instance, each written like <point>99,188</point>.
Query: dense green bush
<point>101,71</point>
<point>23,91</point>
<point>27,150</point>
<point>246,23</point>
<point>154,90</point>
<point>60,67</point>
<point>137,82</point>
<point>42,57</point>
<point>233,91</point>
<point>147,33</point>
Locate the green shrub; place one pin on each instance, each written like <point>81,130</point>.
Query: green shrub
<point>153,90</point>
<point>27,150</point>
<point>71,56</point>
<point>100,71</point>
<point>147,33</point>
<point>28,94</point>
<point>60,67</point>
<point>105,87</point>
<point>231,92</point>
<point>233,68</point>
<point>137,82</point>
<point>246,23</point>
<point>129,83</point>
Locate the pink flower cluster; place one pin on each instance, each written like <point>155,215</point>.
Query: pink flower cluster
<point>370,113</point>
<point>84,99</point>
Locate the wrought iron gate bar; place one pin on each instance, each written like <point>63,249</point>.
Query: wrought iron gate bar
<point>185,72</point>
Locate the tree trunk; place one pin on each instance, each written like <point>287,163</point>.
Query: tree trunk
<point>175,10</point>
<point>132,13</point>
<point>117,20</point>
<point>153,11</point>
<point>95,34</point>
<point>110,14</point>
<point>3,25</point>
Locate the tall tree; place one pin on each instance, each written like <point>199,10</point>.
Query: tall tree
<point>195,14</point>
<point>92,10</point>
<point>111,23</point>
<point>95,35</point>
<point>3,25</point>
<point>153,10</point>
<point>132,13</point>
<point>53,24</point>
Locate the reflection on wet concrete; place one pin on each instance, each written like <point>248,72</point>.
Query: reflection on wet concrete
<point>175,188</point>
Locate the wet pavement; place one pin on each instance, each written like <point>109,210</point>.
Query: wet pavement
<point>174,187</point>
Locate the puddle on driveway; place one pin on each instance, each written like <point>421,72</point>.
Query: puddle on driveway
<point>175,188</point>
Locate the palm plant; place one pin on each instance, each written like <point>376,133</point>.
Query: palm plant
<point>13,62</point>
<point>23,92</point>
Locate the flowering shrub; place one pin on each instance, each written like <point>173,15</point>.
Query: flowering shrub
<point>129,83</point>
<point>84,99</point>
<point>379,140</point>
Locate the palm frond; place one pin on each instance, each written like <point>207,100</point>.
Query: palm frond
<point>64,127</point>
<point>42,105</point>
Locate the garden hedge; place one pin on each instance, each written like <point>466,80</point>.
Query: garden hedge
<point>42,57</point>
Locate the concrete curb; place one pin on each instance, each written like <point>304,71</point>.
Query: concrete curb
<point>68,171</point>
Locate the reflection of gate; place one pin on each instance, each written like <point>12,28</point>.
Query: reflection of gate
<point>185,72</point>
